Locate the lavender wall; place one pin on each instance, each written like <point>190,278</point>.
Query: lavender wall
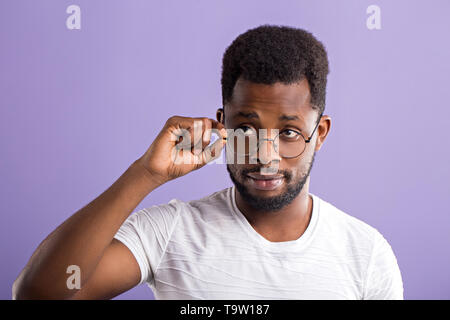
<point>79,106</point>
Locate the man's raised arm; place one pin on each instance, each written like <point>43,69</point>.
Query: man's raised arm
<point>86,239</point>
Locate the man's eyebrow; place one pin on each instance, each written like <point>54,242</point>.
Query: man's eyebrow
<point>285,117</point>
<point>254,115</point>
<point>248,115</point>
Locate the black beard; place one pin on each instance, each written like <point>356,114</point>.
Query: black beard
<point>276,203</point>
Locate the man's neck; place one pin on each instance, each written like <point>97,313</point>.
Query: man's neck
<point>287,224</point>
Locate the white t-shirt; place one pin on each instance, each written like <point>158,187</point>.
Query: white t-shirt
<point>206,249</point>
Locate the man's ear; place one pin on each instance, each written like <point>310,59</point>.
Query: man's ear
<point>220,116</point>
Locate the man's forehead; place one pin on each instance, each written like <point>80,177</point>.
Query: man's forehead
<point>293,96</point>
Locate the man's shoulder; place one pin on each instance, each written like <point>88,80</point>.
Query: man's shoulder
<point>217,202</point>
<point>211,206</point>
<point>220,196</point>
<point>343,224</point>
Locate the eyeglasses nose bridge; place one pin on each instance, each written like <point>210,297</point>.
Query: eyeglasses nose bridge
<point>274,144</point>
<point>272,153</point>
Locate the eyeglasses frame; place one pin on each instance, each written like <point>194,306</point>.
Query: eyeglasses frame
<point>306,140</point>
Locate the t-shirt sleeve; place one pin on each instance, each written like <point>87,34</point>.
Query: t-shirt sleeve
<point>146,233</point>
<point>383,279</point>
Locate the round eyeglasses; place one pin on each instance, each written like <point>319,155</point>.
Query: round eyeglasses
<point>288,143</point>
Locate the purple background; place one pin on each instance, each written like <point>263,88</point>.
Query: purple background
<point>79,106</point>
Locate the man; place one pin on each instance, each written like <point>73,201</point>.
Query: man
<point>266,237</point>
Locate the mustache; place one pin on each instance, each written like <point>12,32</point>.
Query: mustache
<point>287,174</point>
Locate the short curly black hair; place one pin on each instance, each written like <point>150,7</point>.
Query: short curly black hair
<point>269,54</point>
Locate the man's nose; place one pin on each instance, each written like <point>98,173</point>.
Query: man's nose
<point>268,151</point>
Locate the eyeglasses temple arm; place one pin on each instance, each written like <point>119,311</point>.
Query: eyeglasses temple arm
<point>310,137</point>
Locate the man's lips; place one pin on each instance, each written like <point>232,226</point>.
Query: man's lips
<point>265,182</point>
<point>258,176</point>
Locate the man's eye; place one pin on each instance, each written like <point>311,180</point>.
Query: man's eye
<point>247,130</point>
<point>290,134</point>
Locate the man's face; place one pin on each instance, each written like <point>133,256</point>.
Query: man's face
<point>281,107</point>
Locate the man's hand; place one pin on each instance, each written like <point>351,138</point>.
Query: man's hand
<point>181,147</point>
